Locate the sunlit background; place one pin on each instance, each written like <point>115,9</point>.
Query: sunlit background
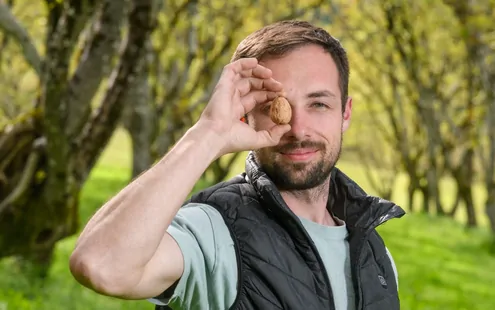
<point>90,98</point>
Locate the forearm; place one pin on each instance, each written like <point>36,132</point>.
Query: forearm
<point>127,230</point>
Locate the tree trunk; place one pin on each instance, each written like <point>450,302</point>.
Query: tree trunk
<point>411,190</point>
<point>490,207</point>
<point>426,199</point>
<point>455,205</point>
<point>32,218</point>
<point>41,169</point>
<point>140,132</point>
<point>139,120</point>
<point>465,183</point>
<point>433,189</point>
<point>465,194</point>
<point>467,197</point>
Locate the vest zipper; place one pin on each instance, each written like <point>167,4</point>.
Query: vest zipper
<point>323,268</point>
<point>318,258</point>
<point>367,231</point>
<point>357,271</point>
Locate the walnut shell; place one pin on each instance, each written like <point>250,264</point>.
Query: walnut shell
<point>280,111</point>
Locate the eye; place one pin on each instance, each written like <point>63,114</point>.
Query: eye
<point>319,105</point>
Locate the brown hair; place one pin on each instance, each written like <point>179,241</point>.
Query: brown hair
<point>279,38</point>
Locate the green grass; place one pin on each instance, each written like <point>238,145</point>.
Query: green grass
<point>441,265</point>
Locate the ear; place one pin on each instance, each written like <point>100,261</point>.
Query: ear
<point>346,115</point>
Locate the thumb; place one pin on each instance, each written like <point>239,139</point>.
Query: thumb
<point>272,136</point>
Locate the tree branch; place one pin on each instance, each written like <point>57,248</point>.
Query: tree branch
<point>95,61</point>
<point>60,44</point>
<point>26,176</point>
<point>11,26</point>
<point>99,129</point>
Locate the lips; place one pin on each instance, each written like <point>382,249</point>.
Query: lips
<point>299,151</point>
<point>299,154</point>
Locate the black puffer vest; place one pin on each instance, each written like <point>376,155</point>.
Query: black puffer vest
<point>279,265</point>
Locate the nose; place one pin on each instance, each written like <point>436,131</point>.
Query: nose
<point>299,124</point>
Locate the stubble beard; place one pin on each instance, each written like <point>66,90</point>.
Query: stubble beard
<point>299,176</point>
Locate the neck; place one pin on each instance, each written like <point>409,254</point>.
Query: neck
<point>310,204</point>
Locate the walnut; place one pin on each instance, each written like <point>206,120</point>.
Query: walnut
<point>280,111</point>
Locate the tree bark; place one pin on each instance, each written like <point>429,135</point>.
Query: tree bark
<point>426,198</point>
<point>11,27</point>
<point>490,208</point>
<point>462,175</point>
<point>99,129</point>
<point>95,63</point>
<point>455,205</point>
<point>138,118</point>
<point>41,174</point>
<point>411,191</point>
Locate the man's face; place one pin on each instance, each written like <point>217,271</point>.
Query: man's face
<point>306,154</point>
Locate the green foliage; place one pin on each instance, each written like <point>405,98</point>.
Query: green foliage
<point>18,81</point>
<point>441,266</point>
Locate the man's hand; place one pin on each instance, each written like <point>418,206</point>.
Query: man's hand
<point>125,250</point>
<point>242,85</point>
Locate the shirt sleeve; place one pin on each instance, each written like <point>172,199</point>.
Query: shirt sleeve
<point>394,267</point>
<point>209,280</point>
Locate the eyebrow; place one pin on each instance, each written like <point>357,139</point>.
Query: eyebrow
<point>321,93</point>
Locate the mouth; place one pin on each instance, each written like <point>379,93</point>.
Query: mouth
<point>302,154</point>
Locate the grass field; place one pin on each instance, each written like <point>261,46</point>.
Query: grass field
<point>441,265</point>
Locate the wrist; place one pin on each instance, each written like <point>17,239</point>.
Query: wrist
<point>208,138</point>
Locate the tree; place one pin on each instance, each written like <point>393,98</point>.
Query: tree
<point>384,79</point>
<point>423,90</point>
<point>476,27</point>
<point>46,156</point>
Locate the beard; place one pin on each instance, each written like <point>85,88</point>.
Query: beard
<point>289,176</point>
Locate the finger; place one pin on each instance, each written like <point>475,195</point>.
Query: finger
<point>256,97</point>
<point>232,71</point>
<point>246,85</point>
<point>259,71</point>
<point>271,137</point>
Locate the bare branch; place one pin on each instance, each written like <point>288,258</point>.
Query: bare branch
<point>66,21</point>
<point>98,131</point>
<point>26,177</point>
<point>172,23</point>
<point>213,62</point>
<point>95,62</point>
<point>11,26</point>
<point>207,93</point>
<point>488,83</point>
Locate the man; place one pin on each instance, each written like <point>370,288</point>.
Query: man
<point>292,232</point>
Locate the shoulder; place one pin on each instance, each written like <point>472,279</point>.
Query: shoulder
<point>222,187</point>
<point>234,187</point>
<point>226,197</point>
<point>198,218</point>
<point>209,260</point>
<point>383,254</point>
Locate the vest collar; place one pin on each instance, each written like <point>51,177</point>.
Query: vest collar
<point>347,200</point>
